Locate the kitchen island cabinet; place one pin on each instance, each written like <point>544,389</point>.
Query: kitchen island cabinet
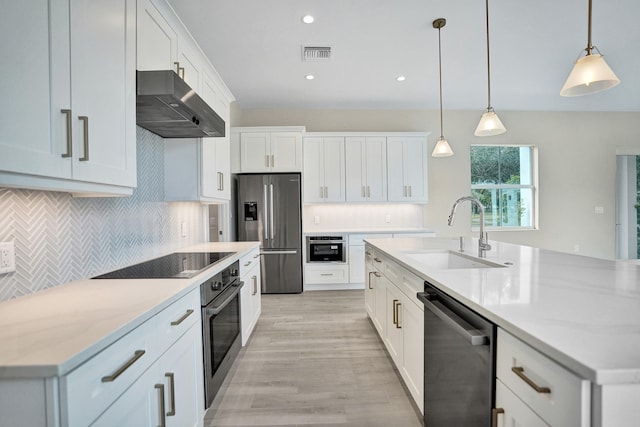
<point>82,347</point>
<point>569,321</point>
<point>71,123</point>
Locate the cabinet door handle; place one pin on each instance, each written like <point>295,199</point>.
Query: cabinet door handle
<point>179,69</point>
<point>494,416</point>
<point>85,120</point>
<point>266,160</point>
<point>396,312</point>
<point>182,319</point>
<point>220,181</point>
<point>519,371</point>
<point>326,192</point>
<point>69,152</point>
<point>248,263</point>
<point>322,192</point>
<point>410,191</point>
<point>110,378</point>
<point>255,284</point>
<point>368,191</point>
<point>163,420</point>
<point>273,162</point>
<point>172,393</point>
<point>362,191</point>
<point>376,259</point>
<point>375,273</point>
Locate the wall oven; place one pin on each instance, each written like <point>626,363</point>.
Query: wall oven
<point>326,248</point>
<point>220,302</point>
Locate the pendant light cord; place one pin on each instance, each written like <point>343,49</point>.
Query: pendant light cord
<point>440,71</point>
<point>489,60</point>
<point>589,45</point>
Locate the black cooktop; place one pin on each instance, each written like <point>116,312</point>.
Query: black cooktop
<point>181,265</point>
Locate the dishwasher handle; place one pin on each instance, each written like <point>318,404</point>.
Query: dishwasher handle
<point>474,336</point>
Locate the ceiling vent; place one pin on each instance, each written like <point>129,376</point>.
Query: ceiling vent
<point>316,53</point>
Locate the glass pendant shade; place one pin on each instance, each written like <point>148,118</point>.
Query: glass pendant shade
<point>442,148</point>
<point>490,124</point>
<point>590,74</point>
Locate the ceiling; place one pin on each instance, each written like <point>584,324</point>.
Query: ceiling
<point>256,47</point>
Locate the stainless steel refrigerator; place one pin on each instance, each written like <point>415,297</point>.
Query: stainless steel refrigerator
<point>269,210</point>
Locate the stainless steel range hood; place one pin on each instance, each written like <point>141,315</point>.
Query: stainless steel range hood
<point>168,107</point>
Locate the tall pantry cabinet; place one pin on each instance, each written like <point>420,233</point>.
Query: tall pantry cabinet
<point>70,125</point>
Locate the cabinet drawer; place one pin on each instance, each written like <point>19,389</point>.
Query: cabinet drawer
<point>92,387</point>
<point>516,413</point>
<point>249,261</point>
<point>172,322</point>
<point>327,274</point>
<point>563,399</point>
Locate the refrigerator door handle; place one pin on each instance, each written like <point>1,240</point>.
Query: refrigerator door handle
<point>266,214</point>
<point>272,224</point>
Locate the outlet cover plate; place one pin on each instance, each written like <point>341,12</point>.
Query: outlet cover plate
<point>7,257</point>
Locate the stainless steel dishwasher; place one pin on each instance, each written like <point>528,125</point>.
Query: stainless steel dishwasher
<point>459,363</point>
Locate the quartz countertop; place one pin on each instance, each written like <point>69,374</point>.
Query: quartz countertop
<point>51,332</point>
<point>582,312</point>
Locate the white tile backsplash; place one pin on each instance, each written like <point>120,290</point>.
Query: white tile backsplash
<point>362,216</point>
<point>59,238</point>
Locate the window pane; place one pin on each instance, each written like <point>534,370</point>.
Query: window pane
<point>504,207</point>
<point>500,165</point>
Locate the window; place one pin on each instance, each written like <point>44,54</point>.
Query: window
<point>503,178</point>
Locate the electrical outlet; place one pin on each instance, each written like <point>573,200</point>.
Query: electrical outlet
<point>387,218</point>
<point>7,257</point>
<point>316,219</point>
<point>576,248</point>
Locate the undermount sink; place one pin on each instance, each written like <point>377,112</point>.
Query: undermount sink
<point>450,260</point>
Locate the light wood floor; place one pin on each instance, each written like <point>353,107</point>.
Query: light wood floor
<point>314,359</point>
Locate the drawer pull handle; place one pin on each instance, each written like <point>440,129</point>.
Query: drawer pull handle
<point>256,256</point>
<point>172,393</point>
<point>248,263</point>
<point>110,378</point>
<point>182,319</point>
<point>163,419</point>
<point>519,371</point>
<point>494,416</point>
<point>376,259</point>
<point>326,274</point>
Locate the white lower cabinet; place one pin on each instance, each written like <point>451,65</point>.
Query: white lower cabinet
<point>513,412</point>
<point>321,273</point>
<point>167,394</point>
<point>250,294</point>
<point>398,317</point>
<point>555,395</point>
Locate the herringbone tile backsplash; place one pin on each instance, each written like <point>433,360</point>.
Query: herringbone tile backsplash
<point>59,238</point>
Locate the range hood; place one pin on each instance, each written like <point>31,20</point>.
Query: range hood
<point>167,106</point>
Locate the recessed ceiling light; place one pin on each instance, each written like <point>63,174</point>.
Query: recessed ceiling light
<point>400,78</point>
<point>309,77</point>
<point>307,19</point>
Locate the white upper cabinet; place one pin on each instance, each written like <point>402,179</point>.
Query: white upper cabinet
<point>271,151</point>
<point>157,40</point>
<point>407,168</point>
<point>197,169</point>
<point>71,80</point>
<point>366,168</point>
<point>324,169</point>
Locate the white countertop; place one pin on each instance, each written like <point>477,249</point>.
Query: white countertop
<point>316,231</point>
<point>582,312</point>
<point>51,332</point>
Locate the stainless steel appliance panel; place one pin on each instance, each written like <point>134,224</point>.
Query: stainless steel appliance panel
<point>459,363</point>
<point>282,270</point>
<point>269,210</point>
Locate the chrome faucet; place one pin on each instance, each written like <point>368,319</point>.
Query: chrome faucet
<point>483,243</point>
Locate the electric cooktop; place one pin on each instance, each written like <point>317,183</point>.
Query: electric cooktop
<point>181,265</point>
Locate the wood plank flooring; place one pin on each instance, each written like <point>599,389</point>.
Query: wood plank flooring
<point>314,359</point>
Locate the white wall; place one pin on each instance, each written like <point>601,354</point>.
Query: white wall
<point>577,165</point>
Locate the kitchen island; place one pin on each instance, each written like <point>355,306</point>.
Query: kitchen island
<point>48,337</point>
<point>582,313</point>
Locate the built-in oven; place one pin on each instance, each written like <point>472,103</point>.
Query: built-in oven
<point>331,248</point>
<point>220,301</point>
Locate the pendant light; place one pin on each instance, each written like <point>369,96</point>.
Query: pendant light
<point>590,74</point>
<point>442,148</point>
<point>490,123</point>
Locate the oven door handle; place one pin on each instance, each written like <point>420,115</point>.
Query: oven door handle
<point>474,336</point>
<point>226,298</point>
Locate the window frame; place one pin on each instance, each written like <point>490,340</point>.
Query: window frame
<point>533,187</point>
